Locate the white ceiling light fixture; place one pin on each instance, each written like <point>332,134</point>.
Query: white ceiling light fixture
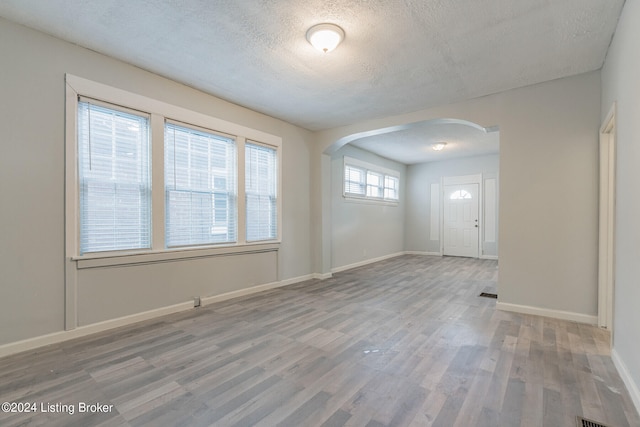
<point>325,37</point>
<point>439,146</point>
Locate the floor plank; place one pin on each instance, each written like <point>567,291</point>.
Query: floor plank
<point>402,342</point>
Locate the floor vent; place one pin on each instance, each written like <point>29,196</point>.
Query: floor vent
<point>489,295</point>
<point>583,422</point>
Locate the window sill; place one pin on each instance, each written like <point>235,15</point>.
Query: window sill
<point>168,255</point>
<point>365,200</point>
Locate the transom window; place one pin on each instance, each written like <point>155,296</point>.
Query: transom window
<point>354,180</point>
<point>370,182</point>
<point>391,184</point>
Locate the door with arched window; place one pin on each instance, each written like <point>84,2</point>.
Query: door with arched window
<point>461,220</point>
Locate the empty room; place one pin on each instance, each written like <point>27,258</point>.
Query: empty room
<point>287,213</point>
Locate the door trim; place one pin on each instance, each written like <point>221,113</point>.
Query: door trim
<point>606,221</point>
<point>461,180</point>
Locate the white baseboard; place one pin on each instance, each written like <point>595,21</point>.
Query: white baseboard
<point>494,257</point>
<point>82,331</point>
<point>293,280</point>
<point>546,312</point>
<point>253,290</point>
<point>422,253</point>
<point>632,387</point>
<point>321,276</point>
<point>365,262</point>
<point>239,293</point>
<point>61,336</point>
<point>382,258</point>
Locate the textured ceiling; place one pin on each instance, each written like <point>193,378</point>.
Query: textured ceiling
<point>398,56</point>
<point>413,146</point>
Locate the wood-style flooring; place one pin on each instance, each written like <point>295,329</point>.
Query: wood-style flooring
<point>402,342</point>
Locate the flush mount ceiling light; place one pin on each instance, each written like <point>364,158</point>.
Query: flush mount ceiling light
<point>439,146</point>
<point>325,37</point>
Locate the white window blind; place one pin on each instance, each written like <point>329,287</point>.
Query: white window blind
<point>367,181</point>
<point>114,178</point>
<point>261,198</point>
<point>354,181</point>
<point>200,187</point>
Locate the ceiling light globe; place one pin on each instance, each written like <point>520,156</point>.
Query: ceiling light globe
<point>325,37</point>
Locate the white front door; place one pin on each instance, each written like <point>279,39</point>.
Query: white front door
<point>461,227</point>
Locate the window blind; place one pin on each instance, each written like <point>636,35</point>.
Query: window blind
<point>354,180</point>
<point>200,187</point>
<point>114,179</point>
<point>260,192</point>
<point>369,182</point>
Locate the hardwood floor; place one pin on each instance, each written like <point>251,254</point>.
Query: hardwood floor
<point>403,342</point>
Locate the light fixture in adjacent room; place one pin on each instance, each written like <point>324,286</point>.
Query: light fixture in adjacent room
<point>439,146</point>
<point>325,37</point>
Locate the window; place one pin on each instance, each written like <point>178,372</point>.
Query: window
<point>261,198</point>
<point>460,194</point>
<point>200,187</point>
<point>375,187</point>
<point>367,181</point>
<point>114,179</point>
<point>391,187</point>
<point>354,182</point>
<point>149,181</point>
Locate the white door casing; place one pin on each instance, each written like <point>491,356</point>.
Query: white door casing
<point>606,254</point>
<point>461,220</point>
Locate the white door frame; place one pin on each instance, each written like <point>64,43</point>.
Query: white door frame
<point>461,180</point>
<point>606,222</point>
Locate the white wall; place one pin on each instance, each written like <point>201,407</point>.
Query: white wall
<point>32,282</point>
<point>419,179</point>
<point>548,188</point>
<point>621,84</point>
<point>362,231</point>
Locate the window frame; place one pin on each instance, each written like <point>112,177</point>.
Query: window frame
<point>278,194</point>
<point>158,111</point>
<point>118,109</point>
<point>233,196</point>
<point>377,187</point>
<point>349,183</point>
<point>367,170</point>
<point>396,189</point>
